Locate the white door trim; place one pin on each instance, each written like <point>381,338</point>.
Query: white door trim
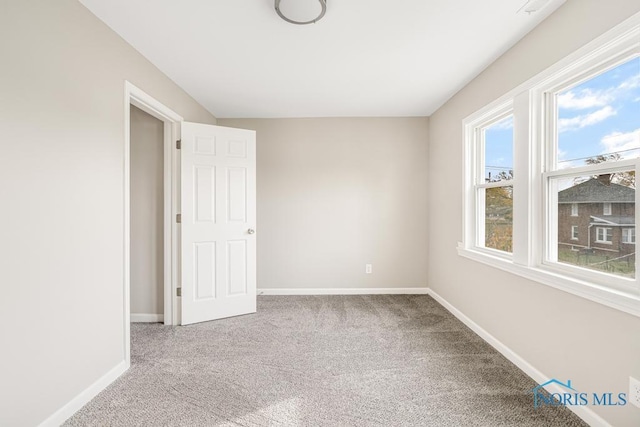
<point>137,97</point>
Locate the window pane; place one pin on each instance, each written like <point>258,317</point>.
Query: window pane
<point>599,120</point>
<point>602,241</point>
<point>498,150</point>
<point>499,218</point>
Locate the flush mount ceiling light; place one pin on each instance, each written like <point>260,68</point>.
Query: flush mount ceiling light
<point>301,12</point>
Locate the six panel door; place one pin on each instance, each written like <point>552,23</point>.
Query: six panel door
<point>218,208</point>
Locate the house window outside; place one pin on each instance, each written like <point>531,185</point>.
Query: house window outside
<point>574,232</point>
<point>629,235</point>
<point>606,209</point>
<point>604,235</point>
<point>574,209</point>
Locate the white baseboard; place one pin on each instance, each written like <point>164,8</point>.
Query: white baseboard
<point>146,318</point>
<point>64,413</point>
<point>343,291</point>
<point>585,413</point>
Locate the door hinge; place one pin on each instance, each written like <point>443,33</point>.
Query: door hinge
<point>179,144</point>
<point>179,292</point>
<point>179,218</point>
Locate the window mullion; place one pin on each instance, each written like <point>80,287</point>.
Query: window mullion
<point>522,186</point>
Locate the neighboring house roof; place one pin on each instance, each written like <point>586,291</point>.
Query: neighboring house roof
<point>594,191</point>
<point>613,220</point>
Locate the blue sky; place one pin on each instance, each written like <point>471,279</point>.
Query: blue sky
<point>599,116</point>
<point>499,148</point>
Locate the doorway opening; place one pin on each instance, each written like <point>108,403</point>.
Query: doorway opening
<point>151,220</point>
<point>147,217</point>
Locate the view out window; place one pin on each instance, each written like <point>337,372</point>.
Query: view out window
<point>493,183</point>
<point>597,129</point>
<point>629,235</point>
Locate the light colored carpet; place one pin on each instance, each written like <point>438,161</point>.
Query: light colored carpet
<point>377,360</point>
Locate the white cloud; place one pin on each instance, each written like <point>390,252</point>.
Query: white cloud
<point>566,164</point>
<point>579,122</point>
<point>585,99</point>
<point>621,141</point>
<point>588,98</point>
<point>498,162</point>
<point>561,154</point>
<point>631,83</point>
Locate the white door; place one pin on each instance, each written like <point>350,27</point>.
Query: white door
<point>218,219</point>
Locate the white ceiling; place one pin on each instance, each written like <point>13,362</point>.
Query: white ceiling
<point>364,58</point>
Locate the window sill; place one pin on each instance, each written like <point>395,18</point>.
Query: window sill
<point>628,302</point>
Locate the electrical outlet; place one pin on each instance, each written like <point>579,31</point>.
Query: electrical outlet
<point>368,268</point>
<point>634,391</point>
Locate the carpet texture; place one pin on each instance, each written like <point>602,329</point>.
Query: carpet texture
<point>375,360</point>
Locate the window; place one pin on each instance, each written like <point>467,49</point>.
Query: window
<point>590,165</point>
<point>493,151</point>
<point>604,235</point>
<point>567,217</point>
<point>629,235</point>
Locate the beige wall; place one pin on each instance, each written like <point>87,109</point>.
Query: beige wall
<point>336,194</point>
<point>61,188</point>
<point>147,205</point>
<point>563,336</point>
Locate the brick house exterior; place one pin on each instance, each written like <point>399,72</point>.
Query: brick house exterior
<point>597,216</point>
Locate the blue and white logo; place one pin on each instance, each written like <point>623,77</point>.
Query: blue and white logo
<point>569,396</point>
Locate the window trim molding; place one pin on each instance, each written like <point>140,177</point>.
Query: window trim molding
<point>470,226</point>
<point>530,183</point>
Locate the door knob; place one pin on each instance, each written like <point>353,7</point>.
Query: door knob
<point>251,231</point>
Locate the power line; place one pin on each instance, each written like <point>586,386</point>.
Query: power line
<point>596,155</point>
<point>570,160</point>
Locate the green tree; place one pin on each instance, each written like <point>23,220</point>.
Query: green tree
<point>626,178</point>
<point>499,218</point>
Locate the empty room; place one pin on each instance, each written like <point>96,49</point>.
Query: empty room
<point>319,213</point>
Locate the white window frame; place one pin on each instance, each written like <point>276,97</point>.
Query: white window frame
<point>574,232</point>
<point>606,233</point>
<point>629,236</point>
<point>574,209</point>
<point>476,180</point>
<point>606,208</point>
<point>534,165</point>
